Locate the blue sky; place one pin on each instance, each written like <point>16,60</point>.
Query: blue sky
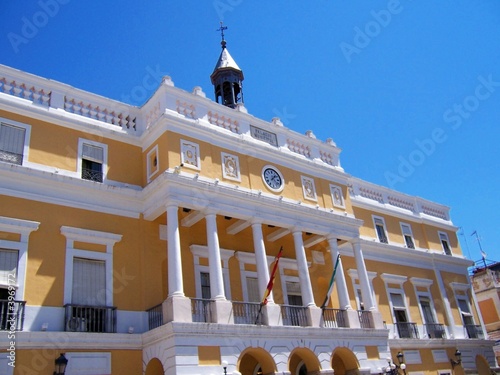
<point>409,90</point>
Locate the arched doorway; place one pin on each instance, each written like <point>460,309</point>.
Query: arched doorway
<point>482,365</point>
<point>344,362</point>
<point>256,361</point>
<point>154,367</point>
<point>303,361</point>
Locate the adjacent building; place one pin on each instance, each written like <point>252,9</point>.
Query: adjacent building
<point>141,240</point>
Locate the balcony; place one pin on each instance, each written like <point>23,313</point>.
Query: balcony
<point>474,331</point>
<point>247,313</point>
<point>155,316</point>
<point>435,331</point>
<point>333,318</point>
<point>407,330</point>
<point>11,315</point>
<point>201,310</point>
<point>294,316</point>
<point>80,318</point>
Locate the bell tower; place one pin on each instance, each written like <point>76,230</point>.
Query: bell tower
<point>227,77</point>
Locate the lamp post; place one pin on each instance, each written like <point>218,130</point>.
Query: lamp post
<point>392,368</point>
<point>224,366</point>
<point>458,359</point>
<point>61,364</point>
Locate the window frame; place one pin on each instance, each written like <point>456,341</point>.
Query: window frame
<point>384,226</point>
<point>81,142</point>
<point>94,237</point>
<point>447,240</point>
<point>27,138</point>
<point>408,226</point>
<point>151,168</point>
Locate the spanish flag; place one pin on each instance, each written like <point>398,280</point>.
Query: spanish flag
<point>327,298</point>
<point>271,279</point>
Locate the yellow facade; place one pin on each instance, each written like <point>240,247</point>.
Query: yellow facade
<point>174,231</point>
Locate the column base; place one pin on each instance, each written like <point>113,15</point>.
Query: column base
<point>177,309</point>
<point>272,315</point>
<point>314,316</point>
<point>376,320</point>
<point>351,318</point>
<point>222,312</point>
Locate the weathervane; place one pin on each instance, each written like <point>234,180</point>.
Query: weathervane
<point>221,29</point>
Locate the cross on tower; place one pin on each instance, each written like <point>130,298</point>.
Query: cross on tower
<point>221,29</point>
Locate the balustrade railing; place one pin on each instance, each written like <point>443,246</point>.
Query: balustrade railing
<point>25,91</point>
<point>435,330</point>
<point>247,313</point>
<point>294,315</point>
<point>201,310</point>
<point>155,316</point>
<point>407,330</point>
<point>82,318</point>
<point>11,315</point>
<point>333,318</point>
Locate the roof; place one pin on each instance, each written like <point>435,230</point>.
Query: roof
<point>226,61</point>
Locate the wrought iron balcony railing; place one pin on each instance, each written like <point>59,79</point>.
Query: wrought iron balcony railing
<point>407,330</point>
<point>81,318</point>
<point>201,310</point>
<point>294,315</point>
<point>474,331</point>
<point>155,316</point>
<point>333,318</point>
<point>435,331</point>
<point>364,319</point>
<point>247,313</point>
<point>11,315</point>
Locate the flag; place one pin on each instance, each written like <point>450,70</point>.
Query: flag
<point>327,298</point>
<point>271,279</point>
<point>483,254</point>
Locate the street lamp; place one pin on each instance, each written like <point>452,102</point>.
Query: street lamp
<point>224,366</point>
<point>61,364</point>
<point>458,359</point>
<point>392,368</point>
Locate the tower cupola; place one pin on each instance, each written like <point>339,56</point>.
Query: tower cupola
<point>227,77</point>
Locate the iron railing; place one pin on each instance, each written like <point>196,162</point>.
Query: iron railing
<point>364,319</point>
<point>92,175</point>
<point>11,315</point>
<point>407,330</point>
<point>247,313</point>
<point>82,318</point>
<point>201,310</point>
<point>294,315</point>
<point>435,330</point>
<point>474,331</point>
<point>155,316</point>
<point>333,318</point>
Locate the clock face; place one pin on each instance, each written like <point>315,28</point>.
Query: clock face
<point>272,178</point>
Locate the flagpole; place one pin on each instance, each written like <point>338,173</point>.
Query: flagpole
<point>270,284</point>
<point>332,280</point>
<point>483,254</point>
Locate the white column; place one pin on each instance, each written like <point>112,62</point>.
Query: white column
<point>366,290</point>
<point>175,287</point>
<point>261,260</point>
<point>214,260</point>
<point>305,281</point>
<point>344,302</point>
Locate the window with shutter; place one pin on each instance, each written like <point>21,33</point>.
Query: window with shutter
<point>92,162</point>
<point>12,143</point>
<point>8,266</point>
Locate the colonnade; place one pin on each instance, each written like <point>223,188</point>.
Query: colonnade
<point>177,306</point>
